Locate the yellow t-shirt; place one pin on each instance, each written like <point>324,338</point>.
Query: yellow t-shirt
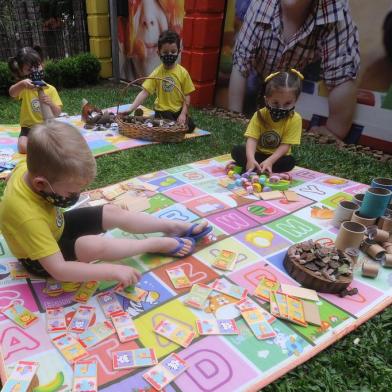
<point>30,110</point>
<point>168,97</point>
<point>30,225</point>
<point>271,134</point>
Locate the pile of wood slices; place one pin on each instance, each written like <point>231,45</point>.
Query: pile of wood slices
<point>324,261</point>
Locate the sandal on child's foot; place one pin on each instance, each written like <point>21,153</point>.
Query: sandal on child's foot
<point>180,247</point>
<point>197,236</point>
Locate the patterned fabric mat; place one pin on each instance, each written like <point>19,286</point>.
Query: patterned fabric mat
<point>100,142</point>
<point>260,233</point>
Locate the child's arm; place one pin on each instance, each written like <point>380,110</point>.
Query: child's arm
<point>56,109</point>
<point>251,163</point>
<point>266,165</point>
<point>182,117</point>
<point>75,271</point>
<point>140,98</point>
<point>16,88</point>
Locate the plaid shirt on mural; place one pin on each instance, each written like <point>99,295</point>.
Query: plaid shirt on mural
<point>328,34</point>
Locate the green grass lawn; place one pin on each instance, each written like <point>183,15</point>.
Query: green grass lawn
<point>365,365</point>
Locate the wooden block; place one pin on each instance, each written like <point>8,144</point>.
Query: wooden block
<point>291,196</point>
<point>312,313</point>
<point>100,202</point>
<point>95,195</point>
<point>113,192</point>
<point>140,186</point>
<point>299,292</point>
<point>240,192</point>
<point>225,181</point>
<point>271,195</point>
<point>150,187</point>
<point>131,203</point>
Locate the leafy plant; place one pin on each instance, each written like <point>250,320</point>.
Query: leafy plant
<point>6,78</point>
<point>89,68</point>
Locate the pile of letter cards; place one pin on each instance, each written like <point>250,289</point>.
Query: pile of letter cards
<point>74,339</point>
<point>295,304</point>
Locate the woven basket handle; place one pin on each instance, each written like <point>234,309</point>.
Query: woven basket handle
<point>135,83</point>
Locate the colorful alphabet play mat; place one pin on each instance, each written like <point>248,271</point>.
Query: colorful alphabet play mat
<point>263,348</point>
<point>101,142</point>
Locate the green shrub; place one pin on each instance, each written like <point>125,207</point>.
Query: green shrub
<point>53,73</point>
<point>6,78</point>
<point>70,73</point>
<point>89,68</point>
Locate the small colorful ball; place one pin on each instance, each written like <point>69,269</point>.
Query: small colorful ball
<point>274,179</point>
<point>257,187</point>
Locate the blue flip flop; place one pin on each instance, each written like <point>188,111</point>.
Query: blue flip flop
<point>180,245</point>
<point>197,236</point>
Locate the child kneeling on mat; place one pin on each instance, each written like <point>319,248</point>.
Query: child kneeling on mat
<point>273,129</point>
<point>49,242</point>
<point>169,103</point>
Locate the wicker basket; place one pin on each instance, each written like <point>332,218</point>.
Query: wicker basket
<point>312,281</point>
<point>173,134</point>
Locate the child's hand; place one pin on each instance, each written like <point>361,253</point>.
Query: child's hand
<point>251,165</point>
<point>46,99</point>
<point>27,83</point>
<point>126,275</point>
<point>181,119</point>
<point>266,167</point>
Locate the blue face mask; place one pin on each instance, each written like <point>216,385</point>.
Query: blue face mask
<point>278,114</point>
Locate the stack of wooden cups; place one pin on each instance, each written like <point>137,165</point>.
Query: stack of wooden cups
<point>366,223</point>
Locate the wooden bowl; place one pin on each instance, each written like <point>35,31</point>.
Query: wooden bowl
<point>310,280</point>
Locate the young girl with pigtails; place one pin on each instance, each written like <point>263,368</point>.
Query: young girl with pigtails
<point>273,129</point>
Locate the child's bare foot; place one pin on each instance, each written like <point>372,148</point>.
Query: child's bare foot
<point>176,246</point>
<point>191,230</point>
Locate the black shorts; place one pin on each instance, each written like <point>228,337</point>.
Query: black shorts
<point>24,131</point>
<point>77,223</point>
<point>173,116</point>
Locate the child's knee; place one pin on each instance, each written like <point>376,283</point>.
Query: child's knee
<point>22,145</point>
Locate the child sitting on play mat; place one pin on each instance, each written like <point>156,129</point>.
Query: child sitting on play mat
<point>27,66</point>
<point>169,103</point>
<point>273,129</point>
<point>49,242</point>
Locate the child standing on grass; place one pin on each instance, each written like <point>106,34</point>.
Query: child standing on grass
<point>274,129</point>
<point>49,242</point>
<point>169,103</point>
<point>27,66</point>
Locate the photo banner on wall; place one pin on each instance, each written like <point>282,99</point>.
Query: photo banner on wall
<point>140,22</point>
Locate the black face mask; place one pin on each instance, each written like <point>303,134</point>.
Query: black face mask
<point>278,114</point>
<point>36,75</point>
<point>58,200</point>
<point>168,59</point>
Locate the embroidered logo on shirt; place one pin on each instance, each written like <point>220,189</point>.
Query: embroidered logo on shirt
<point>59,217</point>
<point>168,84</point>
<point>35,105</point>
<point>269,139</point>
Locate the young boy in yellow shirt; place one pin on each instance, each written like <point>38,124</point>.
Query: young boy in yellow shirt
<point>169,102</point>
<point>49,242</point>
